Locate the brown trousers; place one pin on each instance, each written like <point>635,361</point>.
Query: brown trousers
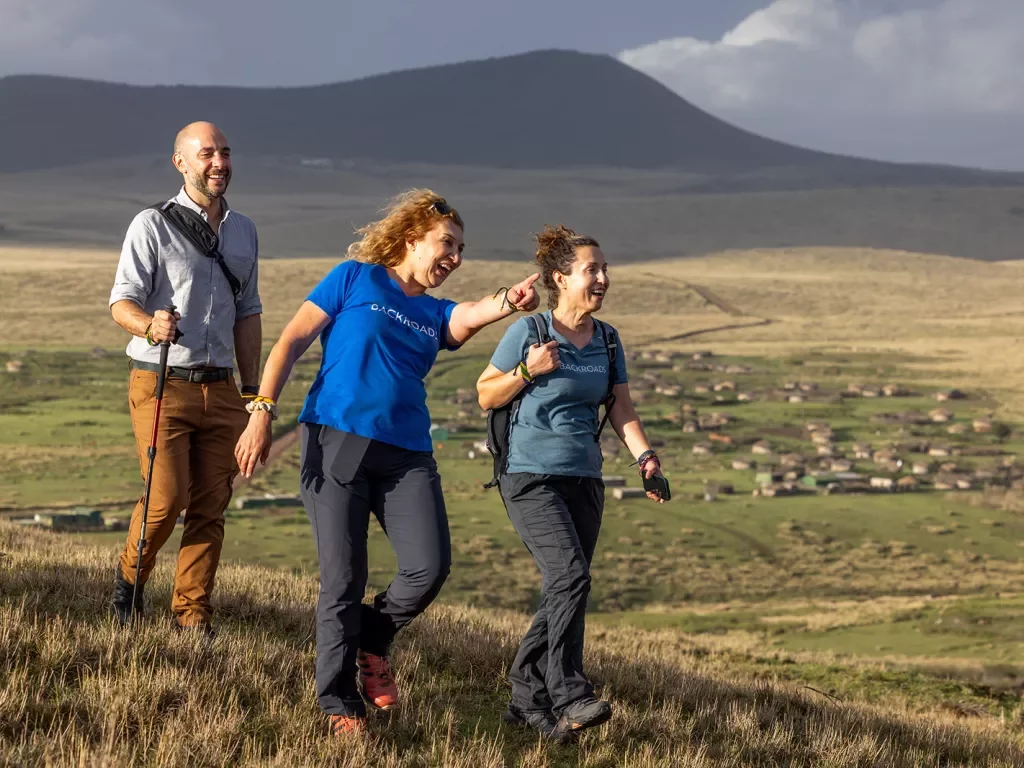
<point>193,472</point>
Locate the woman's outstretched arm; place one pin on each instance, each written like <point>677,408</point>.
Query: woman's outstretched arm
<point>469,317</point>
<point>302,329</point>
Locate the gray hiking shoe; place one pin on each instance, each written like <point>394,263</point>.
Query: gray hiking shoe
<point>580,715</point>
<point>541,721</point>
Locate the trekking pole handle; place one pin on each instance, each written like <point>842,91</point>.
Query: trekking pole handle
<point>170,309</point>
<point>165,347</point>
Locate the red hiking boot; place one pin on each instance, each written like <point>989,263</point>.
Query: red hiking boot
<point>342,725</point>
<point>375,681</point>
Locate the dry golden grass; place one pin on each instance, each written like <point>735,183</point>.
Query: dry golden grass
<point>964,313</point>
<point>78,690</point>
<point>821,614</point>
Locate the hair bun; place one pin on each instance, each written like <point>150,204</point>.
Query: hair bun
<point>551,239</point>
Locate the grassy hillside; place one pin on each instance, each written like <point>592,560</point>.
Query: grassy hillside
<point>80,691</point>
<point>908,604</point>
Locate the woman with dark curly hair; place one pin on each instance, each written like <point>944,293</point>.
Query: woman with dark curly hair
<point>551,482</point>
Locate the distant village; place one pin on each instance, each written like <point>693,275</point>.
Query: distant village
<point>898,460</point>
<point>912,450</point>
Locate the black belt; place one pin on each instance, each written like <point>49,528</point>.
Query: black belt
<point>193,375</point>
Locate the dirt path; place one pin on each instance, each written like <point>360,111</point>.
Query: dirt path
<point>758,546</point>
<point>705,293</point>
<point>702,331</point>
<point>714,300</point>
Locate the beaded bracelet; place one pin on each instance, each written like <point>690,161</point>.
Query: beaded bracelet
<point>504,299</point>
<point>646,456</point>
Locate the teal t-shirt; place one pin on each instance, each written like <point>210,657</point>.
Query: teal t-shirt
<point>553,432</point>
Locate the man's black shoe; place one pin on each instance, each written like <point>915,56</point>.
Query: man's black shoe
<point>581,714</point>
<point>539,720</point>
<point>121,607</point>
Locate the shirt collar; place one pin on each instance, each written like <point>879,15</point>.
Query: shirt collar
<point>188,202</point>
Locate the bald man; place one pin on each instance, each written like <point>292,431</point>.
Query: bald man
<point>203,411</point>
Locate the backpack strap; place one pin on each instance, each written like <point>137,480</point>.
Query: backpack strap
<point>611,345</point>
<point>500,420</point>
<point>197,231</point>
<point>541,331</point>
<point>540,327</point>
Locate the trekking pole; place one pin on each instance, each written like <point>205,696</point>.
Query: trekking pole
<point>161,378</point>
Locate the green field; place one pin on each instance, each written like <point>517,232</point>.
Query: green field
<point>742,567</point>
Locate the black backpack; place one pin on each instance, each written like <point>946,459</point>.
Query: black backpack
<point>500,420</point>
<point>197,231</point>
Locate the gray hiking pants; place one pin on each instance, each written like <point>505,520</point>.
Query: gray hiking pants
<point>559,519</point>
<point>344,477</point>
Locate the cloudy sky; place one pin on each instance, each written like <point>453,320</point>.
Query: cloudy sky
<point>915,80</point>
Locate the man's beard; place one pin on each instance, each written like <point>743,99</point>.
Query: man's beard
<point>199,182</point>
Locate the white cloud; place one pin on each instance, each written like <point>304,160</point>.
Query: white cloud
<point>932,80</point>
<point>785,21</point>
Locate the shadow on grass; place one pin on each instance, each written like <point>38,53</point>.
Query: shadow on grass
<point>452,658</point>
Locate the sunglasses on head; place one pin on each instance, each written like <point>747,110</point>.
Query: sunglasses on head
<point>441,208</point>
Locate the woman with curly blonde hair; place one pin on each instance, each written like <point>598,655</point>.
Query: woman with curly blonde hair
<point>366,443</point>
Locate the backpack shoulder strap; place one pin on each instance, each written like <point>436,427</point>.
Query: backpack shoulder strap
<point>611,345</point>
<point>500,420</point>
<point>540,327</point>
<point>197,231</point>
<point>540,332</point>
<point>190,225</point>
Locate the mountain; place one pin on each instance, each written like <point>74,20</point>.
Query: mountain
<point>549,109</point>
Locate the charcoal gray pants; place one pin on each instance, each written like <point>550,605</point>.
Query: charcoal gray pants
<point>559,519</point>
<point>344,477</point>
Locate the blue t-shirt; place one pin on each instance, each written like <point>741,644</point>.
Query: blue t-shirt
<point>377,349</point>
<point>553,432</point>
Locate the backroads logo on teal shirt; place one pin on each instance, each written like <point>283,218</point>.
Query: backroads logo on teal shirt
<point>394,314</point>
<point>584,368</point>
